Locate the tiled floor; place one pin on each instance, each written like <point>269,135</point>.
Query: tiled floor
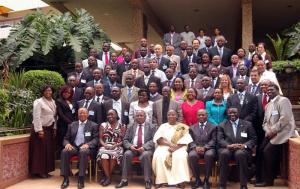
<point>134,183</point>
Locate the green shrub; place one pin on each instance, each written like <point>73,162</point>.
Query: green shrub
<point>4,107</point>
<point>36,79</point>
<point>278,66</point>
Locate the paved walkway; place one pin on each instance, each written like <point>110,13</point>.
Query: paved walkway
<point>135,182</point>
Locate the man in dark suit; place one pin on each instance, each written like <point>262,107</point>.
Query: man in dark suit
<point>233,70</point>
<point>77,92</point>
<point>81,140</point>
<point>138,141</point>
<point>80,75</point>
<point>246,102</point>
<point>143,58</point>
<point>236,139</point>
<point>117,104</point>
<point>144,81</point>
<point>88,71</point>
<point>97,78</point>
<point>216,62</point>
<point>99,97</point>
<point>173,38</point>
<point>95,110</point>
<point>206,93</point>
<point>188,59</point>
<point>143,44</point>
<point>204,136</point>
<point>113,61</point>
<point>206,48</point>
<point>223,52</point>
<point>254,87</point>
<point>104,55</point>
<point>111,82</point>
<point>193,80</point>
<point>214,74</point>
<point>126,65</point>
<point>170,78</point>
<point>163,62</point>
<point>243,70</point>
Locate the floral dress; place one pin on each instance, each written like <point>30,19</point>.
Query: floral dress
<point>111,136</point>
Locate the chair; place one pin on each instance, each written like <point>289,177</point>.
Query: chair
<point>74,159</point>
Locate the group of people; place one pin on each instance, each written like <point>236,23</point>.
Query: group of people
<point>169,110</point>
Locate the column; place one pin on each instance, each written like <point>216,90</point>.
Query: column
<point>137,26</point>
<point>247,23</point>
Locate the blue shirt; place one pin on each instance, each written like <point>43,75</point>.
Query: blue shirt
<point>216,113</point>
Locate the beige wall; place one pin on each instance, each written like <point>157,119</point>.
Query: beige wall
<point>153,36</point>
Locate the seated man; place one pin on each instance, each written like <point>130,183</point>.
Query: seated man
<point>204,135</point>
<point>138,141</point>
<point>236,138</point>
<point>81,140</point>
<point>170,159</point>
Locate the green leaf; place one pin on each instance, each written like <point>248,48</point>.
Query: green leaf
<point>74,42</point>
<point>28,50</point>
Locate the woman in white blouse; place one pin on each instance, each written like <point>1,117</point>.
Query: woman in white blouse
<point>42,139</point>
<point>142,103</point>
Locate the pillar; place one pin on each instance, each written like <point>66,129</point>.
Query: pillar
<point>137,26</point>
<point>247,23</point>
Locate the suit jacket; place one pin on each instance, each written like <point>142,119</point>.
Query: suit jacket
<point>279,119</point>
<point>65,114</point>
<point>202,51</point>
<point>185,61</point>
<point>149,132</point>
<point>257,91</point>
<point>82,80</point>
<point>226,136</point>
<point>139,74</point>
<point>92,83</point>
<point>209,94</point>
<point>140,82</point>
<point>176,39</point>
<point>164,63</point>
<point>107,88</point>
<point>122,68</point>
<point>90,127</point>
<point>156,98</point>
<point>140,60</point>
<point>217,83</point>
<point>77,95</point>
<point>197,83</point>
<point>114,65</point>
<point>207,139</point>
<point>95,110</point>
<point>222,69</point>
<point>88,73</point>
<point>225,57</point>
<point>134,94</point>
<point>230,72</point>
<point>99,56</point>
<point>248,109</point>
<point>125,110</point>
<point>158,108</point>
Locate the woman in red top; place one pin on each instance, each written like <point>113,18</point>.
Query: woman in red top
<point>190,107</point>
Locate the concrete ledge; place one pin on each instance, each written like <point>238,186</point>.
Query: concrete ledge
<point>14,156</point>
<point>294,163</point>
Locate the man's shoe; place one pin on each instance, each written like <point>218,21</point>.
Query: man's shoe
<point>65,183</point>
<point>148,185</point>
<point>243,187</point>
<point>263,184</point>
<point>122,184</point>
<point>206,185</point>
<point>80,185</point>
<point>197,184</point>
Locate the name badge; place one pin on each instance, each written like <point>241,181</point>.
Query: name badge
<point>73,111</point>
<point>266,61</point>
<point>87,134</point>
<point>274,113</point>
<point>83,81</point>
<point>125,113</point>
<point>244,135</point>
<point>91,113</point>
<point>165,67</point>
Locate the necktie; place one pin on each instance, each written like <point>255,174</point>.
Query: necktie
<point>142,62</point>
<point>253,89</point>
<point>153,72</point>
<point>241,96</point>
<point>234,128</point>
<point>98,98</point>
<point>172,39</point>
<point>192,83</point>
<point>140,137</point>
<point>106,58</point>
<point>86,104</point>
<point>134,73</point>
<point>168,83</point>
<point>190,58</point>
<point>220,52</point>
<point>264,101</point>
<point>204,92</point>
<point>201,128</point>
<point>80,135</point>
<point>129,93</point>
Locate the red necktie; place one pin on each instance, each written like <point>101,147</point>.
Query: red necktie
<point>140,137</point>
<point>264,101</point>
<point>106,58</point>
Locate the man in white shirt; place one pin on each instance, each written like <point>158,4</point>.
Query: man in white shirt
<point>172,57</point>
<point>201,38</point>
<point>187,35</point>
<point>93,53</point>
<point>196,46</point>
<point>252,51</point>
<point>156,72</point>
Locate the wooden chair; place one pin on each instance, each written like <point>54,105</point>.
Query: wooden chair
<point>75,159</point>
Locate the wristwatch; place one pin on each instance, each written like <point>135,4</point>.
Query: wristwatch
<point>246,147</point>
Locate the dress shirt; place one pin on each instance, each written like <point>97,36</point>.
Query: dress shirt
<point>214,80</point>
<point>97,81</point>
<point>234,125</point>
<point>135,139</point>
<point>79,139</point>
<point>192,81</point>
<point>100,98</point>
<point>87,103</point>
<point>220,50</point>
<point>188,37</point>
<point>202,41</point>
<point>146,79</point>
<point>202,125</point>
<point>190,58</point>
<point>100,63</point>
<point>241,96</point>
<point>153,95</point>
<point>205,91</point>
<point>234,71</point>
<point>103,57</point>
<point>253,88</point>
<point>117,105</point>
<point>160,74</point>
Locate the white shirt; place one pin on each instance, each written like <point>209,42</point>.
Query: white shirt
<point>188,37</point>
<point>117,105</point>
<point>103,57</point>
<point>89,103</point>
<point>146,79</point>
<point>100,63</point>
<point>220,50</point>
<point>100,98</point>
<point>135,138</point>
<point>134,106</point>
<point>269,75</point>
<point>160,74</point>
<point>202,41</point>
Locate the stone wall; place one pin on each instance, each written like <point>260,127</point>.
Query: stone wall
<point>14,151</point>
<point>290,85</point>
<point>294,163</point>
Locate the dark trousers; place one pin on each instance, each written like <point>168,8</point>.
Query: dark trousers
<point>145,158</point>
<point>271,160</point>
<point>209,157</point>
<point>241,157</point>
<point>65,161</point>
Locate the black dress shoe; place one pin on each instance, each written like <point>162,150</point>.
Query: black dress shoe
<point>65,183</point>
<point>197,184</point>
<point>263,184</point>
<point>106,182</point>
<point>148,185</point>
<point>80,185</point>
<point>206,185</point>
<point>122,184</point>
<point>244,187</point>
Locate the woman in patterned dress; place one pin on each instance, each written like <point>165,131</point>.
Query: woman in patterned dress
<point>111,141</point>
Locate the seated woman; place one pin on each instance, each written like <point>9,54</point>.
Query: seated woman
<point>190,107</point>
<point>111,141</point>
<point>170,163</point>
<point>216,108</point>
